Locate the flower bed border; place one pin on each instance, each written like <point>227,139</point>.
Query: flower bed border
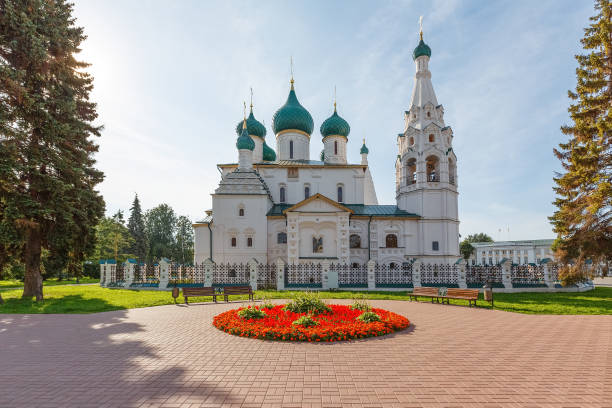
<point>231,323</point>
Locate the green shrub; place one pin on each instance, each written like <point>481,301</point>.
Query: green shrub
<point>252,313</point>
<point>307,302</point>
<point>306,321</point>
<point>265,303</point>
<point>360,303</point>
<point>368,317</point>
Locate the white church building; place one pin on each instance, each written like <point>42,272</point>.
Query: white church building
<point>286,205</point>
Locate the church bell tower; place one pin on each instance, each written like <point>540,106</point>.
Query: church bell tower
<point>426,167</point>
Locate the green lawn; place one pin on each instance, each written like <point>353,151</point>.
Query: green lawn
<point>14,283</point>
<point>90,299</point>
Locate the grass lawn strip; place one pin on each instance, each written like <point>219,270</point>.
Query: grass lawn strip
<point>14,283</point>
<point>92,298</point>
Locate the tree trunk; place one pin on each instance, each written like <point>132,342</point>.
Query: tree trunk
<point>32,284</point>
<point>1,300</point>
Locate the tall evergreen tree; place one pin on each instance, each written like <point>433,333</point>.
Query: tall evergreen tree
<point>47,174</point>
<point>136,226</point>
<point>184,240</point>
<point>583,219</point>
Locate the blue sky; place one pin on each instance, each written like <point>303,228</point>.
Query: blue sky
<point>171,76</point>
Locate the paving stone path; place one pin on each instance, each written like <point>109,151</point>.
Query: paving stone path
<point>171,356</point>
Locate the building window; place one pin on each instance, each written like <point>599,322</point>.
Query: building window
<point>391,241</point>
<point>429,114</point>
<point>241,212</point>
<point>355,265</point>
<point>306,192</point>
<point>233,242</point>
<point>340,198</point>
<point>281,238</point>
<point>411,141</point>
<point>282,194</point>
<point>432,138</point>
<point>355,241</point>
<point>291,149</point>
<point>435,246</point>
<point>526,260</point>
<point>335,147</point>
<point>490,261</point>
<point>317,245</point>
<point>249,241</point>
<point>392,265</point>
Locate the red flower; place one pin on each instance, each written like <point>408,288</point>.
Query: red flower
<point>339,324</point>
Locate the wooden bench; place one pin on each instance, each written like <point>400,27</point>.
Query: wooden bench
<point>196,292</point>
<point>424,292</point>
<point>237,290</point>
<point>471,295</point>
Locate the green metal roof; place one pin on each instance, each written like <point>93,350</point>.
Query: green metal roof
<point>292,116</point>
<point>358,209</point>
<point>364,149</point>
<point>254,127</point>
<point>268,154</point>
<point>244,141</point>
<point>421,49</point>
<point>335,125</point>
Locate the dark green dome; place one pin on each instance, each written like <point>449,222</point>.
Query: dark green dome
<point>268,153</point>
<point>244,140</point>
<point>364,149</point>
<point>421,49</point>
<point>335,125</point>
<point>254,127</point>
<point>292,116</point>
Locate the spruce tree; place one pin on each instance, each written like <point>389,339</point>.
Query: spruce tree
<point>583,219</point>
<point>47,175</point>
<point>136,226</point>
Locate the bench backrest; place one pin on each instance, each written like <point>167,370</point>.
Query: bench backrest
<point>230,290</point>
<point>469,293</point>
<point>429,291</point>
<point>205,291</point>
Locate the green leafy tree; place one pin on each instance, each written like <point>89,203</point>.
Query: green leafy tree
<point>113,240</point>
<point>47,174</point>
<point>583,219</point>
<point>136,226</point>
<point>160,227</point>
<point>184,240</point>
<point>466,248</point>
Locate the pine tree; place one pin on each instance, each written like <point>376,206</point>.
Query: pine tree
<point>136,227</point>
<point>47,174</point>
<point>583,219</point>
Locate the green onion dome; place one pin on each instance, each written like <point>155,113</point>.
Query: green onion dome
<point>421,49</point>
<point>268,153</point>
<point>244,140</point>
<point>364,149</point>
<point>254,127</point>
<point>292,116</point>
<point>335,125</point>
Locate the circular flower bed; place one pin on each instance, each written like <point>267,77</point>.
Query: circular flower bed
<point>340,323</point>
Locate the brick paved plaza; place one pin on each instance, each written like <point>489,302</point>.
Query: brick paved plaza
<point>171,356</point>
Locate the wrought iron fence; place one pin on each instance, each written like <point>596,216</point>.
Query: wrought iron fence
<point>477,275</point>
<point>351,276</point>
<point>443,275</point>
<point>186,276</point>
<point>146,275</point>
<point>391,276</point>
<point>527,276</point>
<point>307,275</point>
<point>117,275</point>
<point>231,274</point>
<point>266,276</point>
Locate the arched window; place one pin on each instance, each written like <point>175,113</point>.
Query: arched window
<point>411,171</point>
<point>355,241</point>
<point>282,194</point>
<point>391,241</point>
<point>233,242</point>
<point>432,138</point>
<point>432,166</point>
<point>291,149</point>
<point>249,241</point>
<point>335,147</point>
<point>340,197</point>
<point>241,212</point>
<point>411,141</point>
<point>306,192</point>
<point>281,238</point>
<point>429,114</point>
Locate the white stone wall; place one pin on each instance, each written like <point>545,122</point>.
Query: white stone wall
<point>301,146</point>
<point>201,247</point>
<point>329,147</point>
<point>258,151</point>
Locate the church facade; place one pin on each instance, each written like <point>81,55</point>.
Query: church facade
<point>284,205</point>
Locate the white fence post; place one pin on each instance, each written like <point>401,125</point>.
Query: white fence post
<point>462,278</point>
<point>507,273</point>
<point>128,273</point>
<point>548,280</point>
<point>103,282</point>
<point>416,274</point>
<point>164,273</point>
<point>253,274</point>
<point>330,278</point>
<point>371,274</point>
<point>280,274</point>
<point>208,272</point>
